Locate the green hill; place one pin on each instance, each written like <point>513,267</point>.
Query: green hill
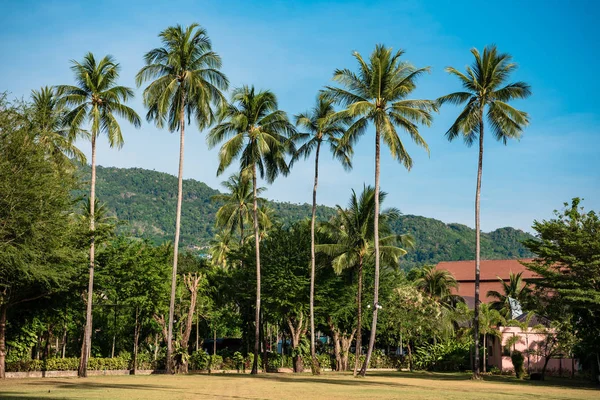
<point>146,201</point>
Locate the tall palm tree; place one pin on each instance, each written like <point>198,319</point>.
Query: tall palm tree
<point>378,94</point>
<point>353,237</point>
<point>96,101</point>
<point>485,92</point>
<point>322,125</point>
<point>516,288</point>
<point>187,83</point>
<point>256,132</point>
<point>438,284</point>
<point>49,124</point>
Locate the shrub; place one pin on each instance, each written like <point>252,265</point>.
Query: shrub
<point>495,371</point>
<point>216,362</point>
<point>518,361</point>
<point>199,360</point>
<point>325,360</point>
<point>238,360</point>
<point>448,356</point>
<point>67,364</point>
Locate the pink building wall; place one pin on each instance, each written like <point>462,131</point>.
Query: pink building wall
<point>556,366</point>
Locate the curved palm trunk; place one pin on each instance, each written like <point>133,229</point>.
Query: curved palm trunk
<point>359,318</point>
<point>169,363</point>
<point>316,368</point>
<point>87,334</point>
<point>363,371</point>
<point>477,250</point>
<point>257,244</point>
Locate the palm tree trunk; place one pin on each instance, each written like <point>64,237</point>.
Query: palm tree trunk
<point>136,339</point>
<point>316,368</point>
<point>484,353</point>
<point>87,334</point>
<point>3,310</point>
<point>359,318</point>
<point>363,371</point>
<point>257,245</point>
<point>477,250</point>
<point>241,235</point>
<point>176,243</point>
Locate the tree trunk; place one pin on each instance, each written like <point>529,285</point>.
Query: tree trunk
<point>484,352</point>
<point>64,343</point>
<point>410,360</point>
<point>477,250</point>
<point>241,215</point>
<point>336,344</point>
<point>191,283</point>
<point>376,245</point>
<point>136,338</point>
<point>359,318</point>
<point>112,353</point>
<point>296,332</point>
<point>546,361</point>
<point>257,245</point>
<point>87,334</point>
<point>346,343</point>
<point>265,336</point>
<point>315,367</point>
<point>3,310</point>
<point>197,331</point>
<point>215,343</point>
<point>176,243</point>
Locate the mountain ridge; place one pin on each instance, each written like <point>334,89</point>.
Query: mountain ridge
<point>146,200</point>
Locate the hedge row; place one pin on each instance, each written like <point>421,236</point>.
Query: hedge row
<point>66,364</point>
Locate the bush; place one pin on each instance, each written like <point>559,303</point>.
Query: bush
<point>238,360</point>
<point>518,361</point>
<point>199,360</point>
<point>325,360</point>
<point>445,357</point>
<point>495,371</point>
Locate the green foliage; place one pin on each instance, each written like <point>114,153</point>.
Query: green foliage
<point>199,360</point>
<point>518,361</point>
<point>446,356</point>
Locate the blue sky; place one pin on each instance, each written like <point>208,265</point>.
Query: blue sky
<point>293,48</point>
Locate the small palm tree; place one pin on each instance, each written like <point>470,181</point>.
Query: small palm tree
<point>96,101</point>
<point>378,94</point>
<point>237,204</point>
<point>187,83</point>
<point>258,133</point>
<point>486,92</point>
<point>438,284</point>
<point>351,232</point>
<point>490,319</point>
<point>516,288</point>
<point>49,124</point>
<point>322,125</point>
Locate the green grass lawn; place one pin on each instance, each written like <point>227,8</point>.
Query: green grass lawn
<point>392,385</point>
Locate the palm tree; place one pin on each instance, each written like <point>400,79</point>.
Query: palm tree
<point>187,83</point>
<point>352,234</point>
<point>322,125</point>
<point>516,288</point>
<point>378,94</point>
<point>484,88</point>
<point>237,204</point>
<point>96,100</point>
<point>49,123</point>
<point>490,319</point>
<point>438,284</point>
<point>256,132</point>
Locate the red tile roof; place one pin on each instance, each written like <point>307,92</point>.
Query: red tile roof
<point>490,270</point>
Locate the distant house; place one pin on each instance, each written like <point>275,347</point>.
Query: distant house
<point>490,271</point>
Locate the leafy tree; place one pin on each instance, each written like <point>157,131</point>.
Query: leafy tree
<point>378,94</point>
<point>567,261</point>
<point>37,254</point>
<point>48,118</point>
<point>96,100</point>
<point>516,288</point>
<point>351,232</point>
<point>256,132</point>
<point>485,88</point>
<point>322,125</point>
<point>188,82</point>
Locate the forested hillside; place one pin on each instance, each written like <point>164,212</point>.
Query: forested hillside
<point>145,201</point>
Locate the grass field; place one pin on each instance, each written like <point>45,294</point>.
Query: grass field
<point>288,386</point>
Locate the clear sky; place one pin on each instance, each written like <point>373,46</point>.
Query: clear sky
<point>293,48</point>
